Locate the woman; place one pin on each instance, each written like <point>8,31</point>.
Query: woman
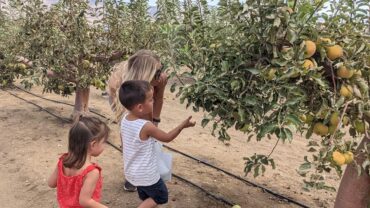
<point>143,65</point>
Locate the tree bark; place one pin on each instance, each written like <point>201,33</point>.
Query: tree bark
<point>354,190</point>
<point>81,102</point>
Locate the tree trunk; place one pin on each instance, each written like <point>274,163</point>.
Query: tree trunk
<point>354,190</point>
<point>81,102</point>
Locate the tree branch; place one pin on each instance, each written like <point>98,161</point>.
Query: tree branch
<point>273,149</point>
<point>340,122</point>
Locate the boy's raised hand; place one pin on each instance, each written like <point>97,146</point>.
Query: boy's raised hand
<point>150,130</point>
<point>188,123</point>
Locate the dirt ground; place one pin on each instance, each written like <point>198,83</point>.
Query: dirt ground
<point>32,140</point>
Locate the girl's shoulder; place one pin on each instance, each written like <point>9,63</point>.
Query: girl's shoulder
<point>93,167</point>
<point>76,173</point>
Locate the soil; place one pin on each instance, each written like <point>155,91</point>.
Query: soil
<point>32,141</point>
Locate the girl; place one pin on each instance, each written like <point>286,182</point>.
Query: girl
<point>77,179</point>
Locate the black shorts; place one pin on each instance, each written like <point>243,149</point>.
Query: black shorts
<point>158,192</point>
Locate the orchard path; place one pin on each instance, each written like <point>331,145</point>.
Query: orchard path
<point>31,141</point>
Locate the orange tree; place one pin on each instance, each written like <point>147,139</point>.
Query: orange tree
<point>273,68</point>
<point>72,43</point>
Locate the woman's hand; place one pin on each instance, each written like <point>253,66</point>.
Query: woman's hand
<point>161,82</point>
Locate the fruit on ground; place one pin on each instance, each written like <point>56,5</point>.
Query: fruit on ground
<point>236,206</point>
<point>360,126</point>
<point>348,156</point>
<point>310,48</point>
<point>338,158</point>
<point>320,129</point>
<point>343,72</point>
<point>308,64</point>
<point>334,119</point>
<point>346,91</point>
<point>334,52</point>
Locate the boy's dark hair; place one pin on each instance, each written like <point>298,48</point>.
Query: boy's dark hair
<point>133,92</point>
<point>83,131</point>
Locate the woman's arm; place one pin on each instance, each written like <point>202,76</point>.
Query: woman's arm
<point>52,181</point>
<point>87,190</point>
<point>159,87</point>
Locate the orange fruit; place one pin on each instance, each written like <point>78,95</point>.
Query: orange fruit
<point>334,52</point>
<point>308,64</point>
<point>310,48</point>
<point>320,129</point>
<point>343,72</point>
<point>339,158</point>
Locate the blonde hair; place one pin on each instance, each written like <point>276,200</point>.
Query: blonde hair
<point>140,66</point>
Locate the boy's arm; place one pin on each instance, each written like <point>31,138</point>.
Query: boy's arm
<point>52,181</point>
<point>87,191</point>
<point>150,130</point>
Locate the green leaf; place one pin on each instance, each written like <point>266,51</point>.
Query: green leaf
<point>264,129</point>
<point>173,87</point>
<point>312,149</point>
<point>241,113</point>
<point>320,82</point>
<point>272,163</point>
<point>253,71</point>
<point>250,100</point>
<point>256,171</point>
<point>280,133</point>
<point>249,138</point>
<point>309,132</point>
<point>293,119</point>
<point>205,121</point>
<point>289,134</point>
<point>305,166</point>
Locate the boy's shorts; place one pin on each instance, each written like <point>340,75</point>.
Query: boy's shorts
<point>158,192</point>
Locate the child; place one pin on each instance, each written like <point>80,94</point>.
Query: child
<point>138,138</point>
<point>77,179</point>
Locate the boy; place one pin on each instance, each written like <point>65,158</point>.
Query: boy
<point>138,138</point>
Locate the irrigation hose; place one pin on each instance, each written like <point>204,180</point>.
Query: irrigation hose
<point>193,158</point>
<point>56,101</point>
<point>219,198</point>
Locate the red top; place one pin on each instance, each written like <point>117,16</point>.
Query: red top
<point>69,187</point>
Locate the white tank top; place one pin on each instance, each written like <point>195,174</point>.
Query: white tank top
<point>139,158</point>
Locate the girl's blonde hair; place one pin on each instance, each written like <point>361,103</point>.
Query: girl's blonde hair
<point>140,66</point>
